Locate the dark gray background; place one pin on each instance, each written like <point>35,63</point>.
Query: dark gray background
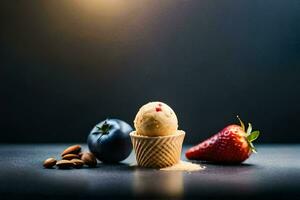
<point>66,65</point>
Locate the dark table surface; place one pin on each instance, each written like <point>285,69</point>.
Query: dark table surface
<point>273,173</point>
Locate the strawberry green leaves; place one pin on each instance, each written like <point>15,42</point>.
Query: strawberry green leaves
<point>251,136</point>
<point>252,147</point>
<point>249,129</point>
<point>241,122</point>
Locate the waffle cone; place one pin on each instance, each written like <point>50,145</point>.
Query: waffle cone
<point>157,152</point>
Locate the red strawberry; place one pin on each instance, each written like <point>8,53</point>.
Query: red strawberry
<point>231,145</point>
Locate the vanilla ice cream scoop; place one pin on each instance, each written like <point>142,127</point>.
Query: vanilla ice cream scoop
<point>156,119</point>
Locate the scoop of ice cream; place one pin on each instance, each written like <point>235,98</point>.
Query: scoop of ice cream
<point>156,119</point>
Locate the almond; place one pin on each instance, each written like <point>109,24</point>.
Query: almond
<point>74,149</point>
<point>70,156</point>
<point>89,159</point>
<point>80,154</point>
<point>49,162</point>
<point>77,163</point>
<point>64,164</point>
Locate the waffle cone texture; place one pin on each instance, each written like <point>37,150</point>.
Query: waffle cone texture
<point>157,152</point>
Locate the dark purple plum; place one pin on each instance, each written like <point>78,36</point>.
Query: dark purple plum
<point>109,140</point>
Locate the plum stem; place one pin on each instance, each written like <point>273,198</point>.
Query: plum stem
<point>104,128</point>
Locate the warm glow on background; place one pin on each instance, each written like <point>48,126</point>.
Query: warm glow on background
<point>73,62</point>
<point>106,7</point>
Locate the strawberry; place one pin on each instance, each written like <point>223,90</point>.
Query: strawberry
<point>231,145</point>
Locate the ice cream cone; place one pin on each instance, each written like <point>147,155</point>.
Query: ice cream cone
<point>157,152</point>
